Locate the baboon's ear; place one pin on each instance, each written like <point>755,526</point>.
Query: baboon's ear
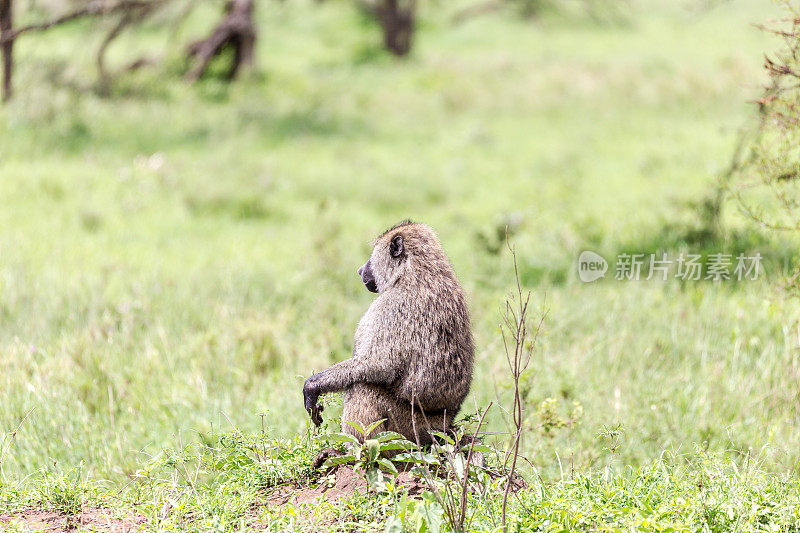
<point>396,246</point>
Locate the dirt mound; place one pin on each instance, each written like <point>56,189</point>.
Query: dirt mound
<point>340,484</point>
<point>57,521</point>
<point>345,482</point>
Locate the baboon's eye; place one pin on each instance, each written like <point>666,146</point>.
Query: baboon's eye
<point>396,246</point>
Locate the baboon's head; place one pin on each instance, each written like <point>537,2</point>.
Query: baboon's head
<point>398,251</point>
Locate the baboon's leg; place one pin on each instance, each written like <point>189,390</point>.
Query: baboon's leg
<point>369,403</point>
<point>365,404</point>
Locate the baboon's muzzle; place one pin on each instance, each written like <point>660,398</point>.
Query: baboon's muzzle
<point>367,278</point>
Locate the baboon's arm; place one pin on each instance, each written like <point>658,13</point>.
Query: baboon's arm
<point>347,373</point>
<point>343,375</point>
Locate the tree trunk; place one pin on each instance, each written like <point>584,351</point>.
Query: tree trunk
<point>397,19</point>
<point>236,29</point>
<point>7,47</point>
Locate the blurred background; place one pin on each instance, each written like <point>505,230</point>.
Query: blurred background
<point>187,189</point>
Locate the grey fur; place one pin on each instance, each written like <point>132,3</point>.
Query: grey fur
<point>414,343</point>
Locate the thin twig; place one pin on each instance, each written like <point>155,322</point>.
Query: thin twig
<point>518,358</point>
<point>14,436</point>
<point>465,481</point>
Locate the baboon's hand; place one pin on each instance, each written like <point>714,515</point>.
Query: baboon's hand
<point>311,397</point>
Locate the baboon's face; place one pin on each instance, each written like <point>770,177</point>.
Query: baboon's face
<point>385,263</point>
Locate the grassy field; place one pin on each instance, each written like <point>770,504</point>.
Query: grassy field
<point>174,259</point>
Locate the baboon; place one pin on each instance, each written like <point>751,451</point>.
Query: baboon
<point>413,349</point>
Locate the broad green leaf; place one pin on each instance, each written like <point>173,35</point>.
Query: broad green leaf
<point>372,426</point>
<point>477,447</point>
<point>393,525</point>
<point>340,437</point>
<point>385,436</point>
<point>387,465</point>
<point>373,449</point>
<point>405,457</point>
<point>394,445</point>
<point>459,465</point>
<point>416,457</point>
<point>432,515</point>
<point>445,437</point>
<point>337,460</point>
<point>357,426</point>
<point>375,479</point>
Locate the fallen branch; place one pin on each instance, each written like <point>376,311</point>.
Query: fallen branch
<point>93,8</point>
<point>236,29</point>
<point>133,11</point>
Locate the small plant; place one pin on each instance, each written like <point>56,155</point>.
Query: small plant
<point>63,490</point>
<point>419,515</point>
<point>454,463</point>
<point>612,437</point>
<point>549,419</point>
<point>366,457</point>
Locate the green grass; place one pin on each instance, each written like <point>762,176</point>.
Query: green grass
<point>174,252</point>
<point>220,485</point>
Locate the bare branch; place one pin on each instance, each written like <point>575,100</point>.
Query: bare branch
<point>518,358</point>
<point>93,8</point>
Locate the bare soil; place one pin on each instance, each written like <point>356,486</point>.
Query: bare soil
<point>58,521</point>
<point>345,482</point>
